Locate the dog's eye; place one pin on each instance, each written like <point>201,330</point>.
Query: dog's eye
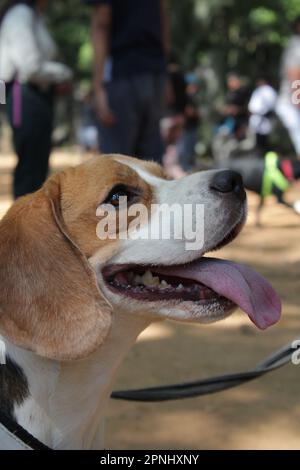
<point>120,192</point>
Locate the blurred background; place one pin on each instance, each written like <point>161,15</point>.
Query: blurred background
<point>210,39</point>
<point>218,47</point>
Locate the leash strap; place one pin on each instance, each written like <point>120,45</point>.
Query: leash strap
<point>210,385</point>
<point>272,175</point>
<point>14,437</point>
<point>17,104</point>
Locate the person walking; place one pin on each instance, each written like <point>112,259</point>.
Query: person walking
<point>131,42</point>
<point>287,110</point>
<point>261,107</point>
<point>32,77</point>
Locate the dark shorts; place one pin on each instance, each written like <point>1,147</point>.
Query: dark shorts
<point>137,104</point>
<point>31,137</point>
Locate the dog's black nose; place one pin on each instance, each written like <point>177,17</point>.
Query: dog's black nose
<point>228,181</point>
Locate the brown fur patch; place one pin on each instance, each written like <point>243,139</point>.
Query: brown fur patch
<point>85,187</point>
<point>49,298</point>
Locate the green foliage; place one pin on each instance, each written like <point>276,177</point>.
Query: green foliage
<point>69,21</point>
<point>263,17</point>
<point>245,35</point>
<point>85,57</point>
<point>291,8</point>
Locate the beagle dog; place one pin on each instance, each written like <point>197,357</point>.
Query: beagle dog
<point>73,303</point>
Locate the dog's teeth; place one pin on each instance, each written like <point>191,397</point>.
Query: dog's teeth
<point>164,284</point>
<point>179,287</point>
<point>149,280</point>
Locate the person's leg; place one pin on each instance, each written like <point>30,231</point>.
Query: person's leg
<point>150,90</point>
<point>258,212</point>
<point>262,144</point>
<point>32,141</point>
<point>120,137</point>
<point>289,114</point>
<point>186,148</point>
<point>44,145</point>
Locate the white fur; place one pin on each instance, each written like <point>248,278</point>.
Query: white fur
<point>67,403</point>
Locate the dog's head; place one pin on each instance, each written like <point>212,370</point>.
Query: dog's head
<point>115,235</point>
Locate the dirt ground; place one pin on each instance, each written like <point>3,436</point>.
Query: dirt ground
<point>264,414</point>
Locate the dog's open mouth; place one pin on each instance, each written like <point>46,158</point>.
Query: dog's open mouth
<point>148,283</point>
<point>204,281</point>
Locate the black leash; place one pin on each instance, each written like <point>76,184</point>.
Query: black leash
<point>18,432</point>
<point>210,385</point>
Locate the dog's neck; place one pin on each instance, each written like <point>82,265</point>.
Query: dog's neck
<point>66,404</point>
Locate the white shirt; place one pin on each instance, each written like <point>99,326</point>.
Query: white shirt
<point>27,50</point>
<point>263,101</point>
<point>290,60</point>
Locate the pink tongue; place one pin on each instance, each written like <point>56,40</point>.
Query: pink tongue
<point>238,283</point>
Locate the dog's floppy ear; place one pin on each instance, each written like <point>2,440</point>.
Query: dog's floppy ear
<point>49,298</point>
